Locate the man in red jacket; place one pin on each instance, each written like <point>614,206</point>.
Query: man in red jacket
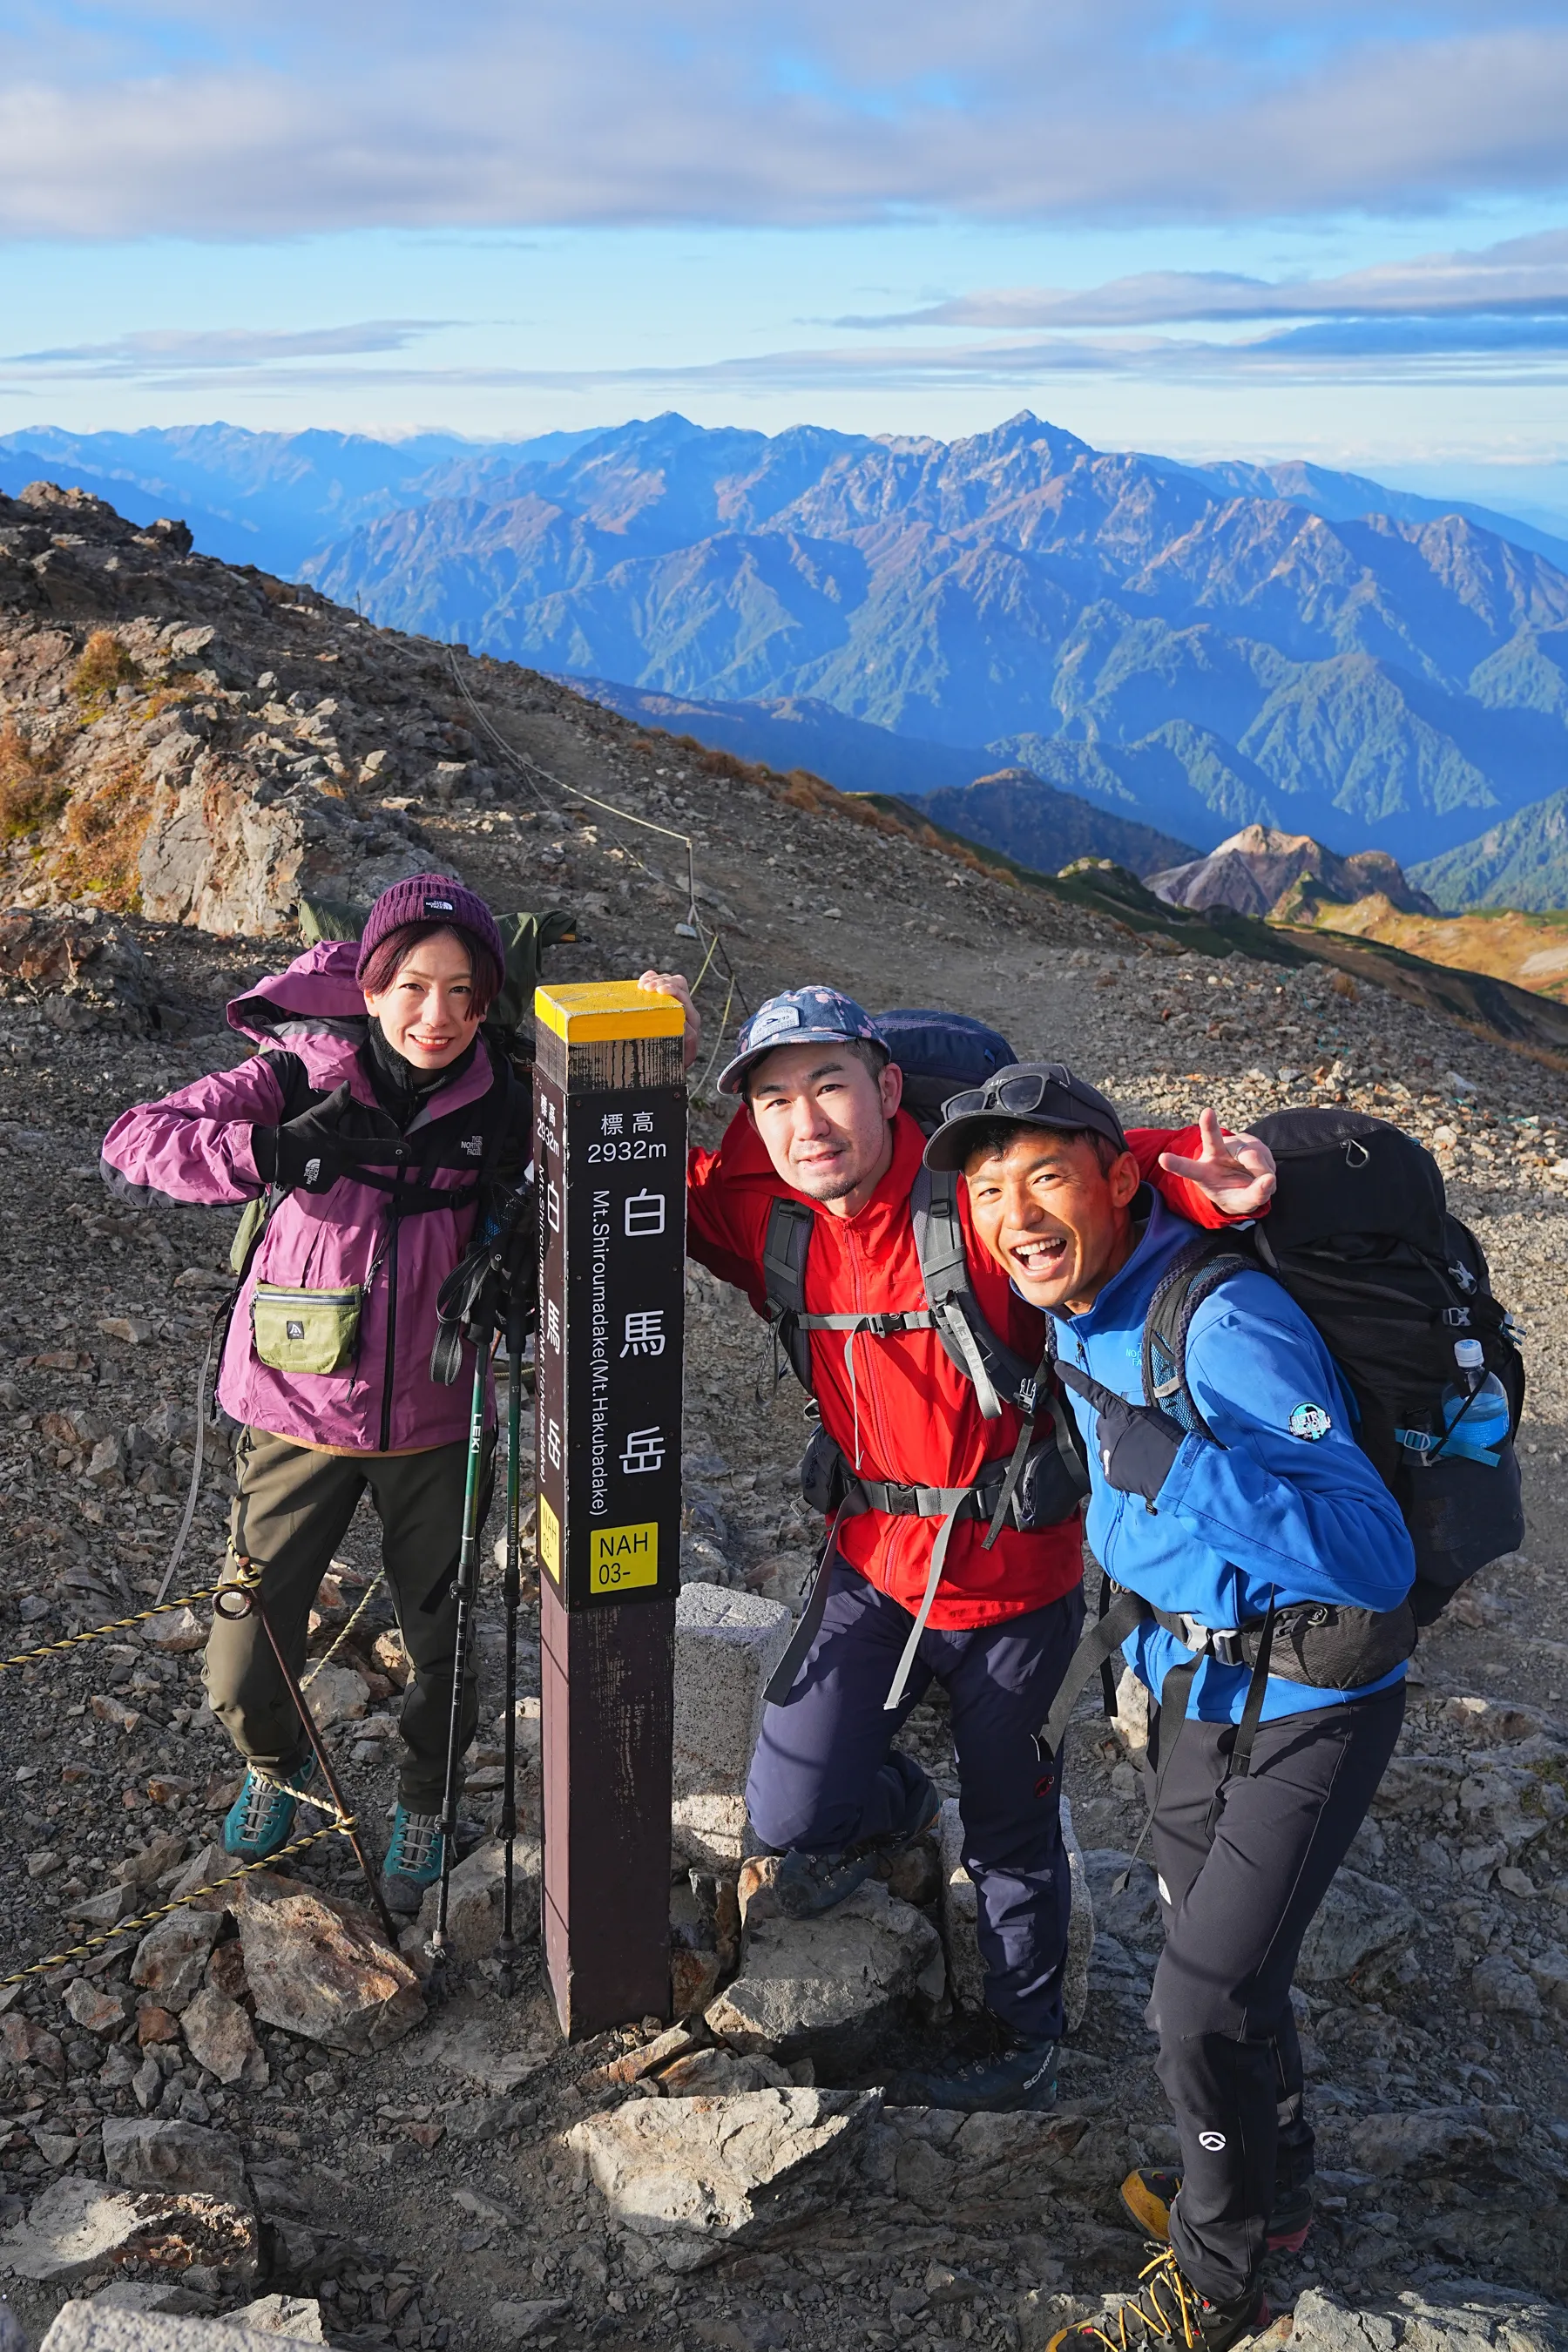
<point>914,1587</point>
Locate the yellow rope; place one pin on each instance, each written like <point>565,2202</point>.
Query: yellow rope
<point>117,1625</point>
<point>338,1827</point>
<point>328,1655</point>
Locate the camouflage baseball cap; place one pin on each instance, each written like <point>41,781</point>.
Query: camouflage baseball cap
<point>801,1016</point>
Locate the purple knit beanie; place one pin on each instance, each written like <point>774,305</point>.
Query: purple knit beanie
<point>429,899</point>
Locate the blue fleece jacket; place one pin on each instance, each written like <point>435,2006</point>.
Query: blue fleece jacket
<point>1286,1500</point>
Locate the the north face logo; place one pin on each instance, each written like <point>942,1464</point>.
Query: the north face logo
<point>440,906</point>
<point>473,1145</point>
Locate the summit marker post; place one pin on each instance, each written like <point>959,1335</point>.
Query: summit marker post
<point>610,1160</point>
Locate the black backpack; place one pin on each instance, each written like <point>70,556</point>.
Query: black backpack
<point>1360,1235</point>
<point>939,1054</point>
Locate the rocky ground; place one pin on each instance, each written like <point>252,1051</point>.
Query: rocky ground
<point>197,2113</point>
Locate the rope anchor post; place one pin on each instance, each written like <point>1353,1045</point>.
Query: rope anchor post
<point>247,1600</point>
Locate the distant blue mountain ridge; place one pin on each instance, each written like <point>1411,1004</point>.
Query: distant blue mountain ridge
<point>1187,649</point>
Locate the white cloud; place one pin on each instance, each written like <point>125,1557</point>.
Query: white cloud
<point>245,123</point>
<point>157,353</point>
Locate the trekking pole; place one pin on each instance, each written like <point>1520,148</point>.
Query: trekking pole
<point>249,1601</point>
<point>506,1945</point>
<point>468,1579</point>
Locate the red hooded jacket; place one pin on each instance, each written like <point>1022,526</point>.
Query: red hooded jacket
<point>914,1413</point>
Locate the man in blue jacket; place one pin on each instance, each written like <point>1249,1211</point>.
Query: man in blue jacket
<point>1215,1533</point>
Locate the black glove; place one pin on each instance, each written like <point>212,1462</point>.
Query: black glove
<point>1137,1443</point>
<point>306,1154</point>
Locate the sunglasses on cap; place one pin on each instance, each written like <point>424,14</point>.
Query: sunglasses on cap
<point>1022,1091</point>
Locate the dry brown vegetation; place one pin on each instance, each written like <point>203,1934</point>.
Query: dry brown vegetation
<point>104,665</point>
<point>31,794</point>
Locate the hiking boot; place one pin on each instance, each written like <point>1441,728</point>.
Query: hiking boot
<point>1015,2075</point>
<point>413,1862</point>
<point>800,1886</point>
<point>1149,2194</point>
<point>1167,2310</point>
<point>260,1821</point>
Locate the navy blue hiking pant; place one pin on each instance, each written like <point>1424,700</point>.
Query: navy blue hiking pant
<point>1240,1879</point>
<point>824,1774</point>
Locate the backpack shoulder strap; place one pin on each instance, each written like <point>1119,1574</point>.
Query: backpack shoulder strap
<point>1186,1282</point>
<point>785,1250</point>
<point>996,1372</point>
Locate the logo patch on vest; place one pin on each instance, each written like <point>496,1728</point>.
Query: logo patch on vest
<point>473,1145</point>
<point>1311,1421</point>
<point>1213,2141</point>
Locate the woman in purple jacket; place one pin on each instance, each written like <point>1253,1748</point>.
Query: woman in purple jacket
<point>367,1125</point>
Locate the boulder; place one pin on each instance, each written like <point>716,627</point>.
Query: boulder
<point>336,1695</point>
<point>229,857</point>
<point>83,964</point>
<point>726,1646</point>
<point>79,2226</point>
<point>1465,2318</point>
<point>172,1958</point>
<point>827,1988</point>
<point>1359,1919</point>
<point>139,2152</point>
<point>960,1914</point>
<point>474,1898</point>
<point>315,1970</point>
<point>1427,2137</point>
<point>296,2317</point>
<point>104,2327</point>
<point>699,2177</point>
<point>219,2034</point>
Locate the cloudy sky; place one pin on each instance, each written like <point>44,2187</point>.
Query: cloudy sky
<point>1263,227</point>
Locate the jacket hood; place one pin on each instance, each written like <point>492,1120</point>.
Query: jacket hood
<point>317,998</point>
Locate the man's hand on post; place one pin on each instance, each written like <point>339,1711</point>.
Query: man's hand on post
<point>676,984</point>
<point>1237,1172</point>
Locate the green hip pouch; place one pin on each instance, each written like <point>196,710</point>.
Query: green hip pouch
<point>305,1330</point>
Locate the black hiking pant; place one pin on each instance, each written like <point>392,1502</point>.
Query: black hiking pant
<point>1240,1880</point>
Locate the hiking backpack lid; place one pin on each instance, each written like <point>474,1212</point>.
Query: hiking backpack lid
<point>1361,1236</point>
<point>940,1054</point>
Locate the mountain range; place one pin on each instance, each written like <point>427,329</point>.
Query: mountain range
<point>1187,649</point>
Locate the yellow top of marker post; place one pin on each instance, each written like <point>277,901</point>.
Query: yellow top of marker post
<point>584,1010</point>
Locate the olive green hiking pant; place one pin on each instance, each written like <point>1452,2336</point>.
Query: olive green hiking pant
<point>291,1512</point>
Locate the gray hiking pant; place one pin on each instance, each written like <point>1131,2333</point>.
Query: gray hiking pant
<point>291,1512</point>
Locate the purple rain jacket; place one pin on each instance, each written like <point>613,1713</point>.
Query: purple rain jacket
<point>195,1147</point>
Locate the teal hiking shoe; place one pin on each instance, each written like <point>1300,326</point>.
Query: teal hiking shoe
<point>413,1862</point>
<point>260,1821</point>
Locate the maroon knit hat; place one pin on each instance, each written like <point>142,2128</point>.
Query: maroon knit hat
<point>429,899</point>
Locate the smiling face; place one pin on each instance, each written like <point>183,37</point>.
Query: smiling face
<point>427,1011</point>
<point>824,1116</point>
<point>1052,1217</point>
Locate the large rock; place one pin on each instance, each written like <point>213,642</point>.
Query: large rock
<point>314,1969</point>
<point>231,856</point>
<point>219,2034</point>
<point>83,965</point>
<point>98,2327</point>
<point>172,1958</point>
<point>142,2152</point>
<point>726,1646</point>
<point>702,2176</point>
<point>475,1894</point>
<point>1427,2137</point>
<point>1467,2318</point>
<point>827,1988</point>
<point>79,2226</point>
<point>960,1915</point>
<point>1359,1920</point>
